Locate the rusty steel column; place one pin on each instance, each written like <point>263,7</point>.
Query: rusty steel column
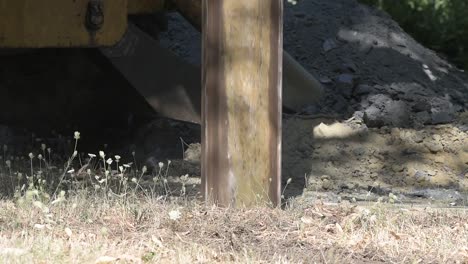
<point>241,101</point>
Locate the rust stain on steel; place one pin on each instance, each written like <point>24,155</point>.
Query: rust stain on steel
<point>242,107</point>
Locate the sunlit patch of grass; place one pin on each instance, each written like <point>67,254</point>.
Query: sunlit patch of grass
<point>84,229</point>
<point>99,209</point>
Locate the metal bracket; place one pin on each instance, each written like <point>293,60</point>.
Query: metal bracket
<point>94,15</point>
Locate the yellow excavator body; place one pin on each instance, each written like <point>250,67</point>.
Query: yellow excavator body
<point>68,23</point>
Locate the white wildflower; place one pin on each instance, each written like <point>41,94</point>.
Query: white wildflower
<point>174,215</point>
<point>76,135</point>
<point>184,178</point>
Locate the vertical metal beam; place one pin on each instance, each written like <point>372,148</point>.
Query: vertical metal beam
<point>241,101</point>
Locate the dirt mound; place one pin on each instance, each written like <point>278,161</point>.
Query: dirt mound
<point>397,160</point>
<point>370,67</point>
<point>402,129</point>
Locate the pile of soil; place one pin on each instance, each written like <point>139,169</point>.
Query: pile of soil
<point>369,66</point>
<point>407,105</point>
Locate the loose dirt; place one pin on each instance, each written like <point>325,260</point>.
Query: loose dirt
<point>407,105</point>
<point>370,67</point>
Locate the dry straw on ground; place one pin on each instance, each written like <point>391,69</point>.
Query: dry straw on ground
<point>95,229</point>
<point>108,214</point>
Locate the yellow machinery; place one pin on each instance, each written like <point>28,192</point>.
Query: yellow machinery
<point>68,23</point>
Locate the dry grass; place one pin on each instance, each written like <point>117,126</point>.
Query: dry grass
<point>138,221</point>
<point>88,228</point>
